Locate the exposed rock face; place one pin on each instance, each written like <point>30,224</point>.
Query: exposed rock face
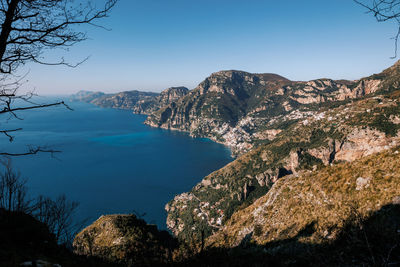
<point>364,142</point>
<point>124,239</point>
<point>218,105</point>
<point>325,153</point>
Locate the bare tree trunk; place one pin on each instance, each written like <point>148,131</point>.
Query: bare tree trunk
<point>6,27</point>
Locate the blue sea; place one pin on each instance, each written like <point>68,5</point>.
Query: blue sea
<point>110,161</point>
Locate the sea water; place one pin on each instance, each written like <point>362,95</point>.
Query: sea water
<point>110,162</point>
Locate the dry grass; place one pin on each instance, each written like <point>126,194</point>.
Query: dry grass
<point>326,199</point>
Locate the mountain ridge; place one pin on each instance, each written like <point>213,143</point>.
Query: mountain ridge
<point>229,106</point>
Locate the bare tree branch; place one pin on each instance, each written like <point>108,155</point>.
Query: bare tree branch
<point>30,151</point>
<point>10,109</point>
<point>29,27</point>
<point>7,133</point>
<point>384,10</point>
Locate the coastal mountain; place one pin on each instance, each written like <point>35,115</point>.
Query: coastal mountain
<point>137,101</point>
<point>236,107</point>
<point>345,133</point>
<point>294,142</point>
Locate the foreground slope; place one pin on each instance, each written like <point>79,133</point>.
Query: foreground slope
<point>320,208</point>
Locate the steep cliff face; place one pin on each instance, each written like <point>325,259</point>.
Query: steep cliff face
<point>171,95</point>
<point>232,107</point>
<point>217,104</point>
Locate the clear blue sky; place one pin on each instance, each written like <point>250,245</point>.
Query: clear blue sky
<point>155,44</point>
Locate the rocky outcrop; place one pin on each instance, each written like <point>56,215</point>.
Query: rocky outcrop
<point>124,239</point>
<point>171,95</point>
<point>364,142</point>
